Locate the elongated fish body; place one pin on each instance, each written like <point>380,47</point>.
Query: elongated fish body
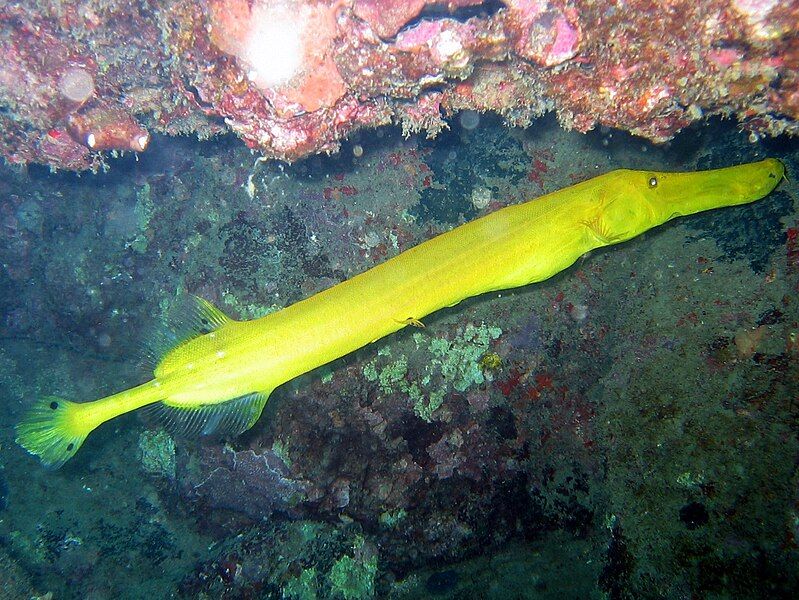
<point>220,380</point>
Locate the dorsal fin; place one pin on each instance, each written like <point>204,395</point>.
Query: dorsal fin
<point>231,417</point>
<point>189,319</point>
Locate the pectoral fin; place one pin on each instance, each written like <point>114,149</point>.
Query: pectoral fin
<point>600,232</point>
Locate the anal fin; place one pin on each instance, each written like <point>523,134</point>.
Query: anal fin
<point>230,417</point>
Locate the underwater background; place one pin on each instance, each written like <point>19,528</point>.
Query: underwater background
<point>626,429</point>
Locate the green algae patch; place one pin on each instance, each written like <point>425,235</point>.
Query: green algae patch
<point>393,518</point>
<point>157,454</point>
<point>438,366</point>
<point>459,360</point>
<point>353,578</point>
<point>304,587</point>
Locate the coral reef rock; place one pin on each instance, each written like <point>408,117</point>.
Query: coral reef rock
<point>295,77</point>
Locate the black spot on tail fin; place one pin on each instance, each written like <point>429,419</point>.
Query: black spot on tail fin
<point>231,417</point>
<point>189,319</point>
<point>53,430</point>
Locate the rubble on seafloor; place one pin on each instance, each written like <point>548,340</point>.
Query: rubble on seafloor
<point>296,77</point>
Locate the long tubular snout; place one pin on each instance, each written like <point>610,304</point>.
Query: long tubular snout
<point>676,194</point>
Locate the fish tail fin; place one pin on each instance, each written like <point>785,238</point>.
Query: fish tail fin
<point>53,430</point>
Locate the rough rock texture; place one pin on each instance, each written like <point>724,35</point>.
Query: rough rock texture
<point>294,77</point>
<point>255,484</point>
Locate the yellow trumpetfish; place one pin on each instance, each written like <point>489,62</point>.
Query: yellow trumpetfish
<point>219,378</point>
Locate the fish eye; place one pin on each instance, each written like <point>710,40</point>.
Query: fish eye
<point>653,182</point>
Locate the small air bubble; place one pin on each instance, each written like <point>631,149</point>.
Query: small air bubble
<point>469,119</point>
<point>70,446</point>
<point>54,405</point>
<point>578,312</point>
<point>140,143</point>
<point>76,84</point>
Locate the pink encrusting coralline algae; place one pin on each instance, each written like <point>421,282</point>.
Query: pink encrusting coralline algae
<point>295,77</point>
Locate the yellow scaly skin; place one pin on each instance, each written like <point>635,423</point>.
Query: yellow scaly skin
<point>515,246</point>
